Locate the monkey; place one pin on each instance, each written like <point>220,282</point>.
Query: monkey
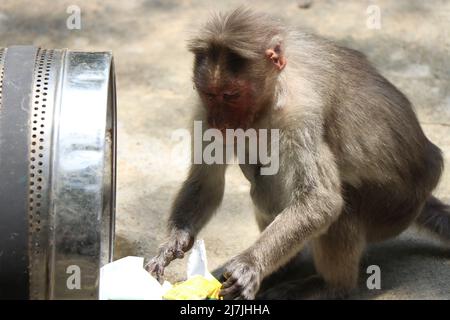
<point>355,165</point>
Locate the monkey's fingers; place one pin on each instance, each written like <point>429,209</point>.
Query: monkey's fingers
<point>168,255</point>
<point>156,269</point>
<point>172,252</point>
<point>230,292</point>
<point>226,275</point>
<point>179,254</point>
<point>230,288</point>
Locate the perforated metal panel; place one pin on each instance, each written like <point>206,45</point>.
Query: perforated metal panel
<point>69,124</point>
<point>2,58</point>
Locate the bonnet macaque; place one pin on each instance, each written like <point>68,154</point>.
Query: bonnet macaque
<point>354,164</point>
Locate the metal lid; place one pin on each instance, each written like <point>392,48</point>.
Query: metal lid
<point>64,137</point>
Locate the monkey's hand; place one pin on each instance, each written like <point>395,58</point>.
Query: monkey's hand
<point>179,242</point>
<point>242,278</point>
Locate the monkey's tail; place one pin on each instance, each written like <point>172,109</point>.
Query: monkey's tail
<point>435,218</point>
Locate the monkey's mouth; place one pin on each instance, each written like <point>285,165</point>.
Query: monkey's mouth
<point>229,109</point>
<point>223,125</point>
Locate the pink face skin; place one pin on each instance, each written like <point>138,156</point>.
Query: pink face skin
<point>233,105</point>
<point>230,107</point>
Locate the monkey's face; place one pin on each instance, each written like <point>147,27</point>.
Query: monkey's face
<point>229,86</point>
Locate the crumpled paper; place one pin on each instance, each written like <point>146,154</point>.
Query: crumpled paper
<point>197,263</point>
<point>126,278</point>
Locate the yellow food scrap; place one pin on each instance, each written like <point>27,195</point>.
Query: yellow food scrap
<point>194,288</point>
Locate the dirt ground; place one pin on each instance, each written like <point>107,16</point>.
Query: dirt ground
<point>147,38</point>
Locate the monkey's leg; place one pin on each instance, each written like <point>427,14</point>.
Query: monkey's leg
<point>337,255</point>
<point>297,268</point>
<point>435,218</point>
<point>312,287</point>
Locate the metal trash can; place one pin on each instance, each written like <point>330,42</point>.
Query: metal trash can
<point>57,171</point>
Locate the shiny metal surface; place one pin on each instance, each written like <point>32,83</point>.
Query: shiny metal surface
<point>41,122</point>
<point>2,60</point>
<point>71,178</point>
<point>82,172</point>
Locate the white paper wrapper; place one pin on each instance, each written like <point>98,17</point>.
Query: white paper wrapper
<point>197,262</point>
<point>126,279</point>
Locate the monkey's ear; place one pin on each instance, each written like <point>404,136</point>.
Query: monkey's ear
<point>276,55</point>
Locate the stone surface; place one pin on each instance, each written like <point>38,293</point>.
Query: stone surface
<point>153,84</point>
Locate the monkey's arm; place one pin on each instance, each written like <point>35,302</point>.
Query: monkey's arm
<point>316,202</point>
<point>199,197</point>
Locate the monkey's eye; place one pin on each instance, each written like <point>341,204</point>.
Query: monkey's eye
<point>235,62</point>
<point>207,95</point>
